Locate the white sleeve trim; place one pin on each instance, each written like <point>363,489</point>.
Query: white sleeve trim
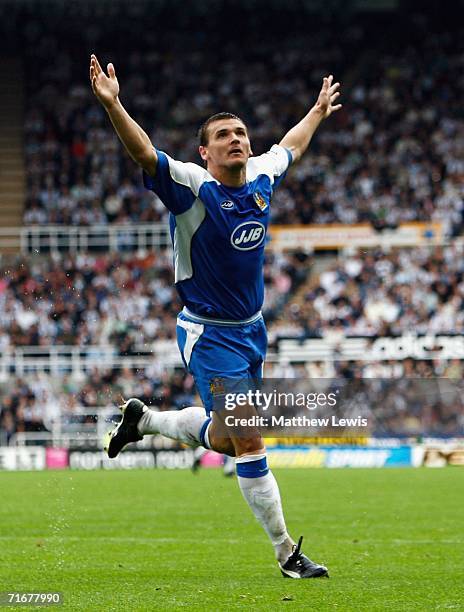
<point>273,163</point>
<point>188,174</point>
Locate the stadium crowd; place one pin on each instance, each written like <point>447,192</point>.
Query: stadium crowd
<point>74,300</point>
<point>403,403</point>
<point>393,154</point>
<point>127,301</point>
<point>376,293</point>
<point>42,401</point>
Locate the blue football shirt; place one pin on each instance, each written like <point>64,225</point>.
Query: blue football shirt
<point>218,232</point>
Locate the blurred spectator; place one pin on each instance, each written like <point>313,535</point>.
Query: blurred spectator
<point>394,154</point>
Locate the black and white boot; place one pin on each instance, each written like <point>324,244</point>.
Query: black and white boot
<point>126,430</point>
<point>299,566</point>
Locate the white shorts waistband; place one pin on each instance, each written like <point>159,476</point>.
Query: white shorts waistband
<point>226,322</point>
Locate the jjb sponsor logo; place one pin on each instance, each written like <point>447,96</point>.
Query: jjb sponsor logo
<point>248,235</point>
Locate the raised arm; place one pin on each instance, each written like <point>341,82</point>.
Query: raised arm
<point>136,141</point>
<point>298,138</point>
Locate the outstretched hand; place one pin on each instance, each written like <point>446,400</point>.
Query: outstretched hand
<point>106,88</point>
<point>327,97</point>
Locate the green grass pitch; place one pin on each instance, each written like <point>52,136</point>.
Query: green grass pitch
<point>393,539</point>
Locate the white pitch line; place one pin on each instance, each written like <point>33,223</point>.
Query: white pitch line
<point>195,540</point>
<point>445,541</point>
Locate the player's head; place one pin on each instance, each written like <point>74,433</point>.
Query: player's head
<point>224,141</point>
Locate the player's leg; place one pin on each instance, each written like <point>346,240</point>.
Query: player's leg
<point>186,426</point>
<point>260,490</point>
<point>222,446</point>
<point>190,426</point>
<point>228,468</point>
<point>255,480</point>
<point>230,351</point>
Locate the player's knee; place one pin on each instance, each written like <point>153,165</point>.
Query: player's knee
<point>219,438</point>
<point>228,448</point>
<point>248,446</point>
<point>222,445</point>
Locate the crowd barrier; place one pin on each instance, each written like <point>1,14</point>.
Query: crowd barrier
<point>136,236</point>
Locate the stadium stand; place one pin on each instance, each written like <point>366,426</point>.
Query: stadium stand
<point>393,155</point>
<point>366,295</point>
<point>42,403</point>
<point>12,170</point>
<point>125,301</point>
<point>85,328</point>
<point>377,293</point>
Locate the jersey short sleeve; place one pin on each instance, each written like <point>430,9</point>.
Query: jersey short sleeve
<point>273,164</point>
<point>176,183</point>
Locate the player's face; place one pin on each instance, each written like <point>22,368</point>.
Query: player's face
<point>228,144</point>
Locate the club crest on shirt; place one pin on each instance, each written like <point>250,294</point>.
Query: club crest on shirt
<point>217,386</point>
<point>227,204</point>
<point>260,201</point>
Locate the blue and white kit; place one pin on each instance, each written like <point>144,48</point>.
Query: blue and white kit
<point>218,234</point>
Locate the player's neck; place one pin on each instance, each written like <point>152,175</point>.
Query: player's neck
<point>229,177</point>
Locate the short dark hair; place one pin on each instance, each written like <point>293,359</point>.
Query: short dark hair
<point>203,131</point>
